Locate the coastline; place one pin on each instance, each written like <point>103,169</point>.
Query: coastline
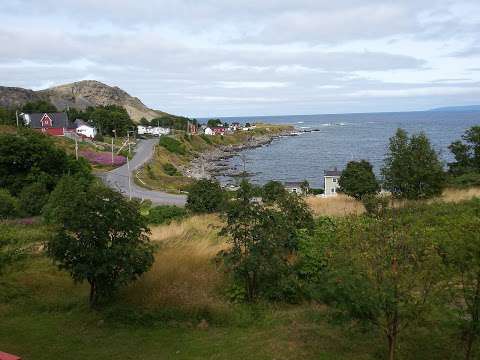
<point>214,162</point>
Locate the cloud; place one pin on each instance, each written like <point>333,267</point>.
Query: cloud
<point>225,57</point>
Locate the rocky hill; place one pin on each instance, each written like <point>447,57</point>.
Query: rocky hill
<point>79,95</point>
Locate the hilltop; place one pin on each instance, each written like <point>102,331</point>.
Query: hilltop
<point>80,95</point>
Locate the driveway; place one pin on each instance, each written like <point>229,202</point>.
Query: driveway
<point>118,178</point>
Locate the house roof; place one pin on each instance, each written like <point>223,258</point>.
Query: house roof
<point>334,172</point>
<point>59,120</point>
<point>80,122</point>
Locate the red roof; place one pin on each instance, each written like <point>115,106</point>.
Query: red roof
<point>5,356</point>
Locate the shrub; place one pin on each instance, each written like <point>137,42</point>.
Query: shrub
<point>273,190</point>
<point>99,137</point>
<point>464,180</point>
<point>170,170</point>
<point>375,205</point>
<point>9,207</point>
<point>358,179</point>
<point>314,191</point>
<point>33,198</point>
<point>172,145</point>
<point>205,196</point>
<point>165,214</point>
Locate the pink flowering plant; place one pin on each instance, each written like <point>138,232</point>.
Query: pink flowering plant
<point>103,158</point>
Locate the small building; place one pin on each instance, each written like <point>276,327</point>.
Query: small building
<point>56,124</point>
<point>208,131</point>
<point>152,130</point>
<point>84,129</point>
<point>218,130</point>
<point>296,187</point>
<point>330,179</point>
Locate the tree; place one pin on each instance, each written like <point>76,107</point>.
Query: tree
<point>100,237</point>
<point>31,157</point>
<point>33,198</point>
<point>7,116</point>
<point>466,152</point>
<point>358,180</point>
<point>305,187</point>
<point>412,169</point>
<point>262,238</point>
<point>205,196</point>
<point>214,123</point>
<point>9,207</point>
<point>272,190</point>
<point>39,106</point>
<point>460,251</point>
<point>380,272</point>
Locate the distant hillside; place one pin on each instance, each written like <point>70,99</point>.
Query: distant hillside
<point>458,108</point>
<point>79,95</point>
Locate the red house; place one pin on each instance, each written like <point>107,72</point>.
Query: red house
<point>218,130</point>
<point>56,124</point>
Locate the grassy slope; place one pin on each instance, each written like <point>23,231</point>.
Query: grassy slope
<point>43,315</point>
<point>153,175</point>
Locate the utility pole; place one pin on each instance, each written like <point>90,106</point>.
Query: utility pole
<point>76,147</point>
<point>129,178</point>
<point>16,115</point>
<point>112,150</point>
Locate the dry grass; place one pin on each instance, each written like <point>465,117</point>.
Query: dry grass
<point>342,205</point>
<point>184,273</point>
<point>457,195</point>
<point>339,205</point>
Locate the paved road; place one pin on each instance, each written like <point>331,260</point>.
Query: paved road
<point>118,178</point>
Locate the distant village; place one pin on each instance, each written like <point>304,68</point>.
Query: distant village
<point>58,124</point>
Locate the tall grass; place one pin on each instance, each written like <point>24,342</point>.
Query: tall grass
<point>184,274</point>
<point>342,205</point>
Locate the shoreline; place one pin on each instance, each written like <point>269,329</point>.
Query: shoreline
<point>213,163</point>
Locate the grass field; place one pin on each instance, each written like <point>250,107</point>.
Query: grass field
<point>178,310</point>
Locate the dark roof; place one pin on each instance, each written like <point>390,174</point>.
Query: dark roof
<point>59,120</point>
<point>334,172</point>
<point>79,122</point>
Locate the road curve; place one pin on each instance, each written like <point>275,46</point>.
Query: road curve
<point>118,178</point>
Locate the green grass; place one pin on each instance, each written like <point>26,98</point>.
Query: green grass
<point>44,315</point>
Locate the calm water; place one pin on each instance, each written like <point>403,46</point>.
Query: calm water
<point>342,138</point>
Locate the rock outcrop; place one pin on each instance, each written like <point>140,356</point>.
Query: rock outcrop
<point>80,95</point>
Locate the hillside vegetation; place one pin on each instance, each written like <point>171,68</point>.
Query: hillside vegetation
<point>176,152</point>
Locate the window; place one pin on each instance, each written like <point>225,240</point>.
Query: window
<point>333,190</point>
<point>334,179</point>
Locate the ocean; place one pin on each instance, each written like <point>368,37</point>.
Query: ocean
<point>343,138</point>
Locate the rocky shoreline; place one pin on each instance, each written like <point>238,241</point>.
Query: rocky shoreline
<point>213,163</point>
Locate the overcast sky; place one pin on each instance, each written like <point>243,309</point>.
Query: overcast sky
<point>251,57</point>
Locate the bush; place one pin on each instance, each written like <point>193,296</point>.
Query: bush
<point>172,145</point>
<point>9,207</point>
<point>33,198</point>
<point>464,180</point>
<point>375,205</point>
<point>165,214</point>
<point>99,137</point>
<point>206,196</point>
<point>358,179</point>
<point>170,170</point>
<point>272,191</point>
<point>316,191</point>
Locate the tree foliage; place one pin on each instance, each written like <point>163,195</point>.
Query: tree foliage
<point>358,179</point>
<point>273,190</point>
<point>380,272</point>
<point>206,196</point>
<point>39,106</point>
<point>466,152</point>
<point>31,157</point>
<point>109,119</point>
<point>101,238</point>
<point>412,169</point>
<point>262,238</point>
<point>9,206</point>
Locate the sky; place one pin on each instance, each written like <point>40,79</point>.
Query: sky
<point>204,58</point>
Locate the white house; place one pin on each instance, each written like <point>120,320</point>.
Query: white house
<point>330,179</point>
<point>208,131</point>
<point>84,129</point>
<point>295,187</point>
<point>152,130</point>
